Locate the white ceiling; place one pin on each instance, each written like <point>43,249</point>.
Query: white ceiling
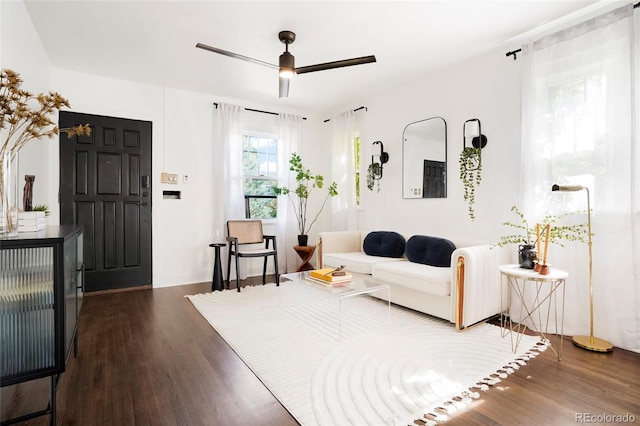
<point>154,41</point>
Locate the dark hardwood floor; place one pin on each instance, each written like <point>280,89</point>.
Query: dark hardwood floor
<point>147,357</point>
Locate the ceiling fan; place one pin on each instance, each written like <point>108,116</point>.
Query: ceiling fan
<point>286,65</point>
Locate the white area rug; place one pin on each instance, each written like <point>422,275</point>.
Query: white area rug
<point>380,372</point>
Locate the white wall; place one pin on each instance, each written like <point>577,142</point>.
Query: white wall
<point>22,51</point>
<point>182,133</point>
<point>487,88</point>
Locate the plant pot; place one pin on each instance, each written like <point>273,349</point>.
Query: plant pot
<point>527,256</point>
<point>302,240</point>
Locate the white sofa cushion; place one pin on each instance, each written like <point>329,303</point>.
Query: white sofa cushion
<point>357,262</point>
<point>416,276</point>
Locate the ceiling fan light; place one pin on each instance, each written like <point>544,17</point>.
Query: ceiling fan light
<point>287,65</point>
<point>286,72</point>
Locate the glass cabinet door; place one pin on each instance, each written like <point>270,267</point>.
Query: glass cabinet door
<point>27,331</point>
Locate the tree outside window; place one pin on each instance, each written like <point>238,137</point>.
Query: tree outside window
<point>260,170</point>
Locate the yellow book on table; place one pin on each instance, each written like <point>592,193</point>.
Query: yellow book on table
<point>325,274</point>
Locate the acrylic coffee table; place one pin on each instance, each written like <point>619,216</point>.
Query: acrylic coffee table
<point>358,286</point>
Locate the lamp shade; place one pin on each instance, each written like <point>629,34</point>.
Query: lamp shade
<point>287,65</point>
<point>557,187</point>
<point>472,128</point>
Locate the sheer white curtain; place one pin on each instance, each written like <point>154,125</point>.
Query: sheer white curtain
<point>343,206</point>
<point>580,127</point>
<point>227,176</point>
<point>290,132</point>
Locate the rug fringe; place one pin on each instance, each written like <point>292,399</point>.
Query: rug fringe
<point>460,402</point>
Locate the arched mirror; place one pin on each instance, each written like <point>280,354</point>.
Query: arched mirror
<point>424,159</point>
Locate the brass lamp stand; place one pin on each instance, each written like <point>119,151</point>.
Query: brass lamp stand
<point>587,342</point>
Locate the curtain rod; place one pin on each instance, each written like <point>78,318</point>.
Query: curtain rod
<point>215,104</point>
<point>357,109</point>
<point>515,52</point>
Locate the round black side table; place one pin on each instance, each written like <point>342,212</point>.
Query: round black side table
<point>216,282</point>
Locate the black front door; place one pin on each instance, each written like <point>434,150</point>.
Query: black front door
<point>433,176</point>
<point>105,185</point>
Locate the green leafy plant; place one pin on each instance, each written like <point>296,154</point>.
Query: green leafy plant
<point>470,175</point>
<point>557,232</point>
<point>41,208</point>
<point>306,184</point>
<point>373,176</point>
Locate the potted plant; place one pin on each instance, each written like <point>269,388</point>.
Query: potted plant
<point>373,175</point>
<point>557,232</point>
<point>470,175</point>
<point>306,183</point>
<point>526,234</point>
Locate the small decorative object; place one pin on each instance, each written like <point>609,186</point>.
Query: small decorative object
<point>378,158</point>
<point>527,256</point>
<point>306,183</point>
<point>27,194</point>
<point>544,268</point>
<point>536,268</point>
<point>23,117</point>
<point>41,208</point>
<point>589,342</point>
<point>471,161</point>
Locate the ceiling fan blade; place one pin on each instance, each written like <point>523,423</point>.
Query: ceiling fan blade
<point>336,64</point>
<point>284,87</point>
<point>235,55</point>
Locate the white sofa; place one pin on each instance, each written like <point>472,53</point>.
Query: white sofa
<point>468,291</point>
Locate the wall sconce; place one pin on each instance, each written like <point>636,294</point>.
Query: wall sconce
<point>589,342</point>
<point>473,131</point>
<point>378,158</point>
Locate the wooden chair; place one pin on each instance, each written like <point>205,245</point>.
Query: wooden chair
<point>243,232</point>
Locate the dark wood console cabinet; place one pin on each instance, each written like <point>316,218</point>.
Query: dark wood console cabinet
<point>41,290</point>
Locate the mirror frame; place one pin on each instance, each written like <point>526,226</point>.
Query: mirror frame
<point>404,165</point>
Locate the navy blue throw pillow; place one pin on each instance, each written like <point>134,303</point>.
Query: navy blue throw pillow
<point>432,251</point>
<point>384,243</point>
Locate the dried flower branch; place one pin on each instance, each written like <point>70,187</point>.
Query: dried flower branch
<point>23,117</point>
<point>25,122</point>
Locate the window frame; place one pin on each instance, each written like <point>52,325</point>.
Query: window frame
<point>253,132</point>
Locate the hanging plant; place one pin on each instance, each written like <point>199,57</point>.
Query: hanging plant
<point>470,175</point>
<point>373,176</point>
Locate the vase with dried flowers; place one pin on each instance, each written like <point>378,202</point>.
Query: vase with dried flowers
<point>23,117</point>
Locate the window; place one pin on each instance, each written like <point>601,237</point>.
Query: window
<point>259,168</point>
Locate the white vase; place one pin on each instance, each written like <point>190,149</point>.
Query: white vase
<point>9,195</point>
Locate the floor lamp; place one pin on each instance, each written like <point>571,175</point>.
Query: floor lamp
<point>587,342</point>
